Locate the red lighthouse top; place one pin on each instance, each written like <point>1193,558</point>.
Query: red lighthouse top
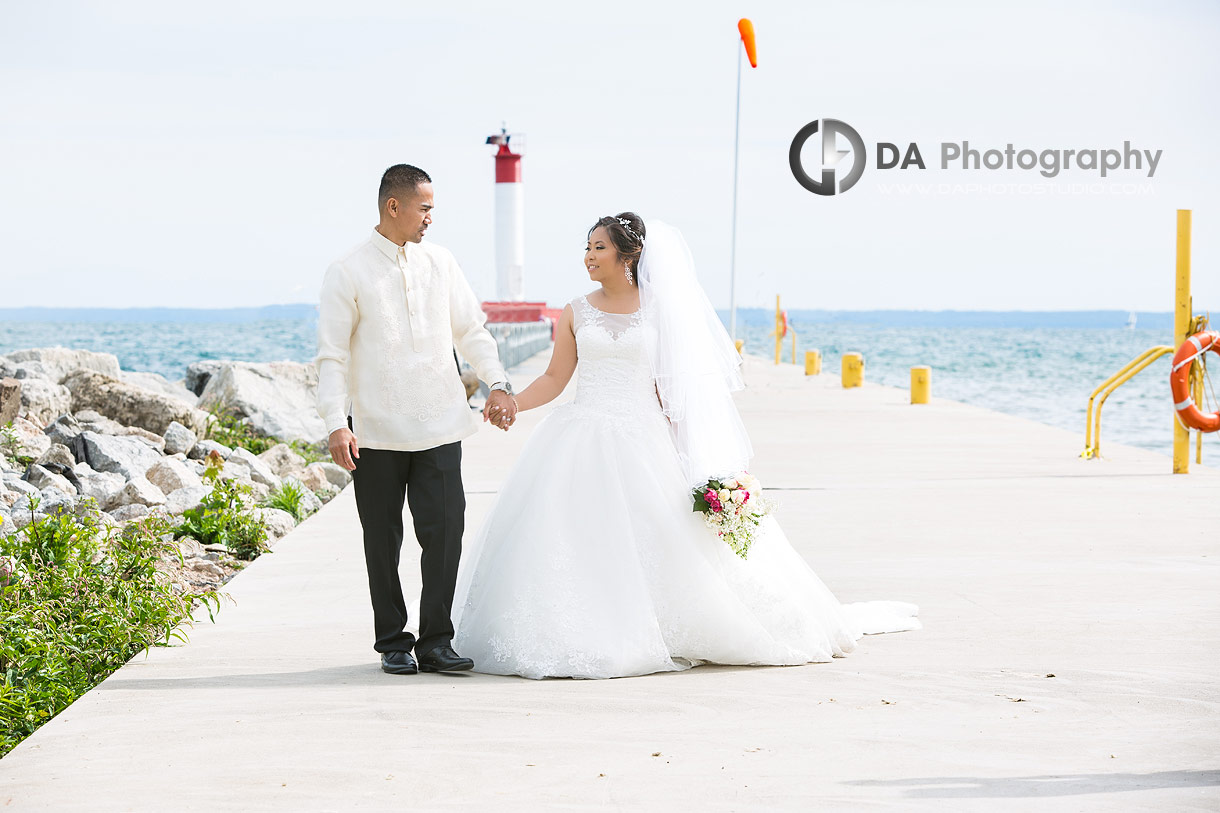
<point>508,163</point>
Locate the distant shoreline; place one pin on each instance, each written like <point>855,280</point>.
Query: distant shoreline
<point>745,316</point>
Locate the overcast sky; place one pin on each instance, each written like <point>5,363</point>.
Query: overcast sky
<point>221,154</point>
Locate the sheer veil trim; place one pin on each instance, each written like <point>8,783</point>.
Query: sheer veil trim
<point>692,359</point>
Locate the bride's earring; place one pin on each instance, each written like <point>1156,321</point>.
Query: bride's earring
<point>627,272</point>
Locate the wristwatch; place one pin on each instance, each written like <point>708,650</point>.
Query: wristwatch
<point>503,386</point>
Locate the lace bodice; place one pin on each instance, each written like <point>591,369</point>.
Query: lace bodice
<point>612,373</point>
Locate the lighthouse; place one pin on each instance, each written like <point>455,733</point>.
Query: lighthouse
<point>510,221</point>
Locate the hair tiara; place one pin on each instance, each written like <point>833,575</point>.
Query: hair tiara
<point>626,224</point>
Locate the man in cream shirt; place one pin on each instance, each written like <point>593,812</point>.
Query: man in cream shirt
<point>389,391</point>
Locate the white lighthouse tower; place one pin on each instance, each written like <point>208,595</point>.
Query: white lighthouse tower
<point>510,221</point>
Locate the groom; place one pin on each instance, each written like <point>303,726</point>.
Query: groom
<point>391,312</point>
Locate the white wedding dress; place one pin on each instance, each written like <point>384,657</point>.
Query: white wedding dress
<point>592,564</point>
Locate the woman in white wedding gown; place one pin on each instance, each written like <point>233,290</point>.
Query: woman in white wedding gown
<point>591,562</point>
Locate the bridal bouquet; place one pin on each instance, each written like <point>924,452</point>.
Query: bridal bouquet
<point>732,507</point>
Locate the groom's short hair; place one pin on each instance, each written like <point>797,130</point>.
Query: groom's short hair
<point>400,181</point>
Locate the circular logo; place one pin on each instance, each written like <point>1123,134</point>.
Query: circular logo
<point>829,129</point>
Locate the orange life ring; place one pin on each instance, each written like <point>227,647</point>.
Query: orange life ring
<point>783,323</point>
<point>1179,381</point>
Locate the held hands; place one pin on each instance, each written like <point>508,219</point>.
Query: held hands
<point>500,409</point>
<point>343,447</point>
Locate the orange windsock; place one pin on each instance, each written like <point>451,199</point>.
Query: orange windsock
<point>746,29</point>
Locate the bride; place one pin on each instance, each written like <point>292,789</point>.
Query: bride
<point>591,562</point>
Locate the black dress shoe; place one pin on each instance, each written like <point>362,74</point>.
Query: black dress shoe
<point>444,659</point>
<point>398,663</point>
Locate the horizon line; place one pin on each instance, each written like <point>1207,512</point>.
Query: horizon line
<point>314,305</point>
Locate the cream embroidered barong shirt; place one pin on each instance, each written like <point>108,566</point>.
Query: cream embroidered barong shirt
<point>388,321</point>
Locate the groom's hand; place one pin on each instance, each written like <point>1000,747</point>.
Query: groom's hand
<point>343,448</point>
<point>500,409</point>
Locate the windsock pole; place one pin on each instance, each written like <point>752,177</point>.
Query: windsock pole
<point>746,29</point>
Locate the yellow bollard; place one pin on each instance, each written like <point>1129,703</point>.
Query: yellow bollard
<point>813,362</point>
<point>853,369</point>
<point>921,384</point>
<point>740,344</point>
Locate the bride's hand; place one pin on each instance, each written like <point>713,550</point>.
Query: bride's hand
<point>500,409</point>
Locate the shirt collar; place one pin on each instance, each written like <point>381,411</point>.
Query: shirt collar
<point>386,246</point>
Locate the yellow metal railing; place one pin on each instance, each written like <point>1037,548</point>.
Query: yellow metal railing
<point>1092,420</point>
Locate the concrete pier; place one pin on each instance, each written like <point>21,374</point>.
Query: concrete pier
<point>1068,658</point>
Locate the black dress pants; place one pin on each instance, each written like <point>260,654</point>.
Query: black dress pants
<point>431,481</point>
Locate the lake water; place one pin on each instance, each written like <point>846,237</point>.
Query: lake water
<point>1041,373</point>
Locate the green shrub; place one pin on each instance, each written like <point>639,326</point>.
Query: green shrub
<point>223,516</point>
<point>233,432</point>
<point>77,601</point>
<point>288,498</point>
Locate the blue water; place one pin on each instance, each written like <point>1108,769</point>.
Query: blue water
<point>1045,374</point>
<point>168,347</point>
<point>1041,373</point>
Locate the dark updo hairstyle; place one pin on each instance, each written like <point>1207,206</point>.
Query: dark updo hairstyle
<point>628,244</point>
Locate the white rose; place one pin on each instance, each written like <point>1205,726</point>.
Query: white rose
<point>723,495</point>
<point>739,497</point>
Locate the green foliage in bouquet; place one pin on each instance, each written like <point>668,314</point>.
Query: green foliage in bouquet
<point>732,507</point>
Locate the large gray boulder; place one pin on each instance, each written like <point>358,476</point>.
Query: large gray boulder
<point>41,478</point>
<point>179,439</point>
<point>277,398</point>
<point>314,478</point>
<point>141,491</point>
<point>186,498</point>
<point>260,472</point>
<point>57,363</point>
<point>10,399</point>
<point>64,430</point>
<point>129,456</point>
<point>199,373</point>
<point>43,400</point>
<point>103,486</point>
<point>279,522</point>
<point>14,482</point>
<point>282,460</point>
<point>131,405</point>
<point>155,382</point>
<point>58,453</point>
<point>171,474</point>
<point>126,513</point>
<point>338,476</point>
